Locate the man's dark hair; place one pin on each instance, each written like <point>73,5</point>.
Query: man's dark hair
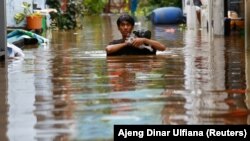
<point>127,18</point>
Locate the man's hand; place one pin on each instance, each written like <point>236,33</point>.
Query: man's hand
<point>137,42</point>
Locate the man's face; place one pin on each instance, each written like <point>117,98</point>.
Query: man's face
<point>125,28</point>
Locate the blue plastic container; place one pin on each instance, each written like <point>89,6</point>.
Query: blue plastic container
<point>167,15</point>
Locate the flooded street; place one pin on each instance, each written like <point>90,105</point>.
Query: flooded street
<point>69,90</point>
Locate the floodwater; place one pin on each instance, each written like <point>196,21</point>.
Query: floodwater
<point>69,89</point>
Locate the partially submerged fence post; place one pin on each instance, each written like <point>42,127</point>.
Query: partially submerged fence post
<point>210,20</point>
<point>192,22</point>
<point>218,17</point>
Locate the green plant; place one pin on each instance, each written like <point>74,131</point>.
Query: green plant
<point>69,18</point>
<point>19,17</point>
<point>94,6</point>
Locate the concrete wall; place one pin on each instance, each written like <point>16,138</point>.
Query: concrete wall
<point>40,3</point>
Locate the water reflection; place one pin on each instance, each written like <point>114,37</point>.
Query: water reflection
<point>72,91</point>
<point>135,72</point>
<point>3,104</point>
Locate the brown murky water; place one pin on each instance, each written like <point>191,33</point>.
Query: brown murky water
<point>70,90</point>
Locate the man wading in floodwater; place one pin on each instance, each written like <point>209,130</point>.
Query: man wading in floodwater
<point>132,46</point>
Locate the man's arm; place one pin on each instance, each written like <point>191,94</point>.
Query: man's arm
<point>155,44</point>
<point>115,47</point>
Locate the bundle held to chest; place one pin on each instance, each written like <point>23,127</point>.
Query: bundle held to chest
<point>141,34</point>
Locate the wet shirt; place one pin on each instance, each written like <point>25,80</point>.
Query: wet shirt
<point>129,50</point>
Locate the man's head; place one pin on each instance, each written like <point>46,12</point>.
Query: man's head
<point>125,24</point>
<point>125,18</point>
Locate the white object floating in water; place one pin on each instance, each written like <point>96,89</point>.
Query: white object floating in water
<point>14,51</point>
